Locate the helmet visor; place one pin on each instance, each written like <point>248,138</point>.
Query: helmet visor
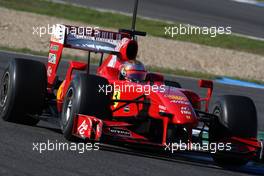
<point>136,76</point>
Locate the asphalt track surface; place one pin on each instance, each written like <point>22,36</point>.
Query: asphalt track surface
<point>18,158</point>
<point>243,18</point>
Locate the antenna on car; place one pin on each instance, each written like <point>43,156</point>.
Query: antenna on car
<point>134,19</point>
<point>133,31</point>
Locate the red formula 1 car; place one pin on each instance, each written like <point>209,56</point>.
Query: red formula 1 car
<point>123,102</point>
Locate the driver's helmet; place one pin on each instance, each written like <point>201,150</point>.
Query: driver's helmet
<point>133,71</point>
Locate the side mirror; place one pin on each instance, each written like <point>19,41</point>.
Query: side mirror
<point>205,83</point>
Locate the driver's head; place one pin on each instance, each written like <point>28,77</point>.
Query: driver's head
<point>133,71</point>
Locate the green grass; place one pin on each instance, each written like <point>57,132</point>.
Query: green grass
<point>114,20</point>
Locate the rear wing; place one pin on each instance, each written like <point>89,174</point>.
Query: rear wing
<point>88,39</point>
<point>122,43</point>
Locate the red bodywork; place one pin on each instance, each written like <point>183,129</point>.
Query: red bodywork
<point>171,107</point>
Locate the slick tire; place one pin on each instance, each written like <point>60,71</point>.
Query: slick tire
<point>83,97</point>
<point>22,91</point>
<point>237,116</point>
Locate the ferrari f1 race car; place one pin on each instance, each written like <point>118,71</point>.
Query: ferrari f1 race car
<point>123,102</point>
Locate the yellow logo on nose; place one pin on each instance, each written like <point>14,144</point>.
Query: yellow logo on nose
<point>116,96</point>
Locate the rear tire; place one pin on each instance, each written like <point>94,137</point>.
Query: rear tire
<point>236,117</point>
<point>22,91</point>
<point>83,97</point>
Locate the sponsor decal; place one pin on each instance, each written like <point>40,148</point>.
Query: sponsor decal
<point>116,96</point>
<point>186,110</point>
<point>82,128</point>
<point>180,102</point>
<point>58,33</point>
<point>176,97</point>
<point>97,47</point>
<point>54,47</point>
<point>162,108</point>
<point>52,58</point>
<point>119,131</point>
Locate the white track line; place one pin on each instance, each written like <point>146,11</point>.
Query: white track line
<point>246,1</point>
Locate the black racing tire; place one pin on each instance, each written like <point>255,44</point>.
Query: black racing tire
<point>83,97</point>
<point>172,84</point>
<point>22,91</point>
<point>236,116</point>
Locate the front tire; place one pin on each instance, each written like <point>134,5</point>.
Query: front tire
<point>83,97</point>
<point>236,116</point>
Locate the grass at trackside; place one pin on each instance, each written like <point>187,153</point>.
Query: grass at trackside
<point>114,20</point>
